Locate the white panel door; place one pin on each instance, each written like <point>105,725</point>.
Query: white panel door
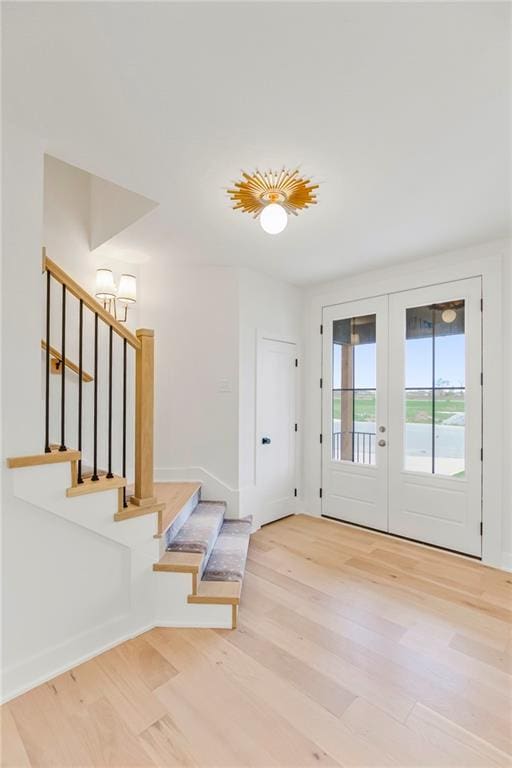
<point>435,415</point>
<point>275,433</point>
<point>354,412</point>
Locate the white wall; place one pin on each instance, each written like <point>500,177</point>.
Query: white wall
<point>194,312</point>
<point>491,260</point>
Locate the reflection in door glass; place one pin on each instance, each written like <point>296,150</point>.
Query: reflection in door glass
<point>354,386</point>
<point>435,388</point>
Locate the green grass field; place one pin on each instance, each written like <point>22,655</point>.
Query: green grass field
<point>418,411</point>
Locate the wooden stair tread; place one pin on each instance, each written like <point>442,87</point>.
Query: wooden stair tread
<point>174,496</point>
<point>96,486</point>
<point>220,592</point>
<point>134,510</point>
<point>54,457</point>
<point>180,562</point>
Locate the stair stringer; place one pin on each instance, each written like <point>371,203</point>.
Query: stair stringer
<point>157,599</point>
<point>45,487</point>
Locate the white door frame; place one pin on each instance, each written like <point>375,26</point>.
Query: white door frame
<point>483,261</point>
<point>262,336</point>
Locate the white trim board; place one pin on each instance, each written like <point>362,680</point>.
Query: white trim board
<point>483,261</point>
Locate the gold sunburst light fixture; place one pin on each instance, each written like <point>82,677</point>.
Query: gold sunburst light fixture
<point>272,196</point>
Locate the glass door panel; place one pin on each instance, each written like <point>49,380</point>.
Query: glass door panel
<point>354,389</point>
<point>435,363</point>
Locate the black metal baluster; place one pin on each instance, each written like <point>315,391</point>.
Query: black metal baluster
<point>109,473</point>
<point>63,376</point>
<point>47,448</point>
<point>364,447</point>
<point>80,374</point>
<point>95,415</point>
<point>124,420</point>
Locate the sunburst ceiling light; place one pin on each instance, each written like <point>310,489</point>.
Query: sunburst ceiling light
<point>274,195</point>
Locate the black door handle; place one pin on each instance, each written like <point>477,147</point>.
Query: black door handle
<point>266,440</point>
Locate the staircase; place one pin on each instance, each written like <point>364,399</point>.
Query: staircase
<point>212,551</point>
<point>187,557</point>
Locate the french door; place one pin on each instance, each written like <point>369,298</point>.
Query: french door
<point>355,383</point>
<point>402,410</point>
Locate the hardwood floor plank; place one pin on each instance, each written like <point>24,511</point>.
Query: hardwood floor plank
<point>420,677</point>
<point>461,746</point>
<point>320,687</point>
<point>49,735</point>
<point>500,659</point>
<point>166,745</point>
<point>12,750</point>
<point>292,703</point>
<point>340,602</point>
<point>209,717</point>
<point>151,667</point>
<point>473,669</point>
<point>482,607</point>
<point>344,673</point>
<point>392,737</point>
<point>354,649</point>
<point>133,701</point>
<point>116,746</point>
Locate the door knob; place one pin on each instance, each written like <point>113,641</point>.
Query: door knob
<point>382,429</point>
<point>266,440</point>
<point>382,443</point>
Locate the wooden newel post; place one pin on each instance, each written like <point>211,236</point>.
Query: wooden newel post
<point>144,407</point>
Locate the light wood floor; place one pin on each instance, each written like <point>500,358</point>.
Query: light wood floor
<point>353,649</point>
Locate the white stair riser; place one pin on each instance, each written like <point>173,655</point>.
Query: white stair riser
<point>172,610</point>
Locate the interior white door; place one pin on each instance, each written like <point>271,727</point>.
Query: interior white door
<point>435,415</point>
<point>276,433</point>
<point>354,412</point>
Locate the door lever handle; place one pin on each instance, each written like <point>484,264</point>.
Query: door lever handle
<point>266,440</point>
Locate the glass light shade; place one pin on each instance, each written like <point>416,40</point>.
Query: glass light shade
<point>127,291</point>
<point>448,316</point>
<point>105,286</point>
<point>273,218</point>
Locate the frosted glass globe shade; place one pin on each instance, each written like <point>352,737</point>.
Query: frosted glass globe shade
<point>273,218</point>
<point>448,316</point>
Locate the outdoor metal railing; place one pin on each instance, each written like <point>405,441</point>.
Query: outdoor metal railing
<point>354,446</point>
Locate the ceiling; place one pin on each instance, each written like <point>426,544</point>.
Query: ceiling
<point>401,111</point>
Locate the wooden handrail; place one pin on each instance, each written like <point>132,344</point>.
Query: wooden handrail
<point>67,362</point>
<point>79,293</point>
